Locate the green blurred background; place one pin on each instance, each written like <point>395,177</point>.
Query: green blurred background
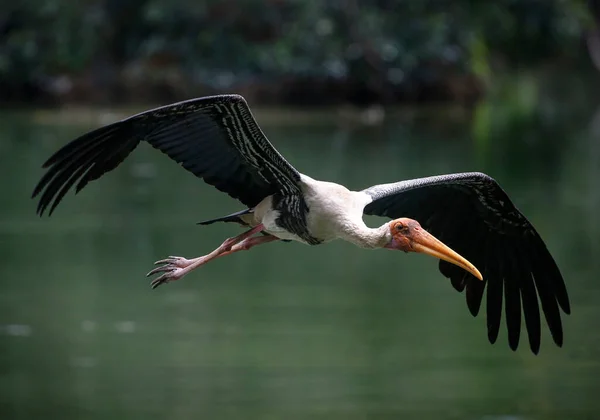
<point>356,92</point>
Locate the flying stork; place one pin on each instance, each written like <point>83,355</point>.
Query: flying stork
<point>217,139</point>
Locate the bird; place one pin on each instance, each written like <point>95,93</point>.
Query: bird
<point>465,220</point>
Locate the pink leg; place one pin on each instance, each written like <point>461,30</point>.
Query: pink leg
<point>175,268</point>
<point>248,243</point>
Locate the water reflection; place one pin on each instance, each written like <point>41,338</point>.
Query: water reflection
<point>284,330</point>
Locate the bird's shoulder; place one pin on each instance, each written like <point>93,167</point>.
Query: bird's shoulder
<point>325,197</point>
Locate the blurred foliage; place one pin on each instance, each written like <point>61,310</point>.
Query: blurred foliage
<point>388,49</point>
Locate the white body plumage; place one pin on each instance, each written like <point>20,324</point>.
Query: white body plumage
<point>335,212</point>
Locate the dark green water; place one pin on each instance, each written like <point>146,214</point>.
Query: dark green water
<point>286,330</point>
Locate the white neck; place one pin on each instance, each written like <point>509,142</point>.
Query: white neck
<point>365,237</point>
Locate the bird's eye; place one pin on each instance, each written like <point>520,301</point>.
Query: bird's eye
<point>400,226</point>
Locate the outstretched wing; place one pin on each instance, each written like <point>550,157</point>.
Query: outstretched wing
<point>216,138</point>
<point>473,215</point>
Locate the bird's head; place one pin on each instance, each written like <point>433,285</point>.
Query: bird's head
<point>407,235</point>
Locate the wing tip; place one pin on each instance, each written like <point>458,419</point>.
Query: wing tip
<point>558,337</point>
<point>513,340</point>
<point>41,208</point>
<point>563,300</point>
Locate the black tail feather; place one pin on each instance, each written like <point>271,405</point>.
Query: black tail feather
<point>234,218</point>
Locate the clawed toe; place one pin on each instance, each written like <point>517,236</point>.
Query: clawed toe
<point>170,273</point>
<point>162,269</point>
<point>169,265</point>
<point>176,261</point>
<point>172,270</point>
<point>159,280</point>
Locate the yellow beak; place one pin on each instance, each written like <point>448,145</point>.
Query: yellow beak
<point>425,243</point>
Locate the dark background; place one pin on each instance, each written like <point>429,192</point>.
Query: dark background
<point>295,52</point>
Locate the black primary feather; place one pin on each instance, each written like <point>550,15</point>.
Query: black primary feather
<point>216,138</point>
<point>473,215</point>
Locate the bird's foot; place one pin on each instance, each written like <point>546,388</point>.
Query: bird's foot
<point>172,268</point>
